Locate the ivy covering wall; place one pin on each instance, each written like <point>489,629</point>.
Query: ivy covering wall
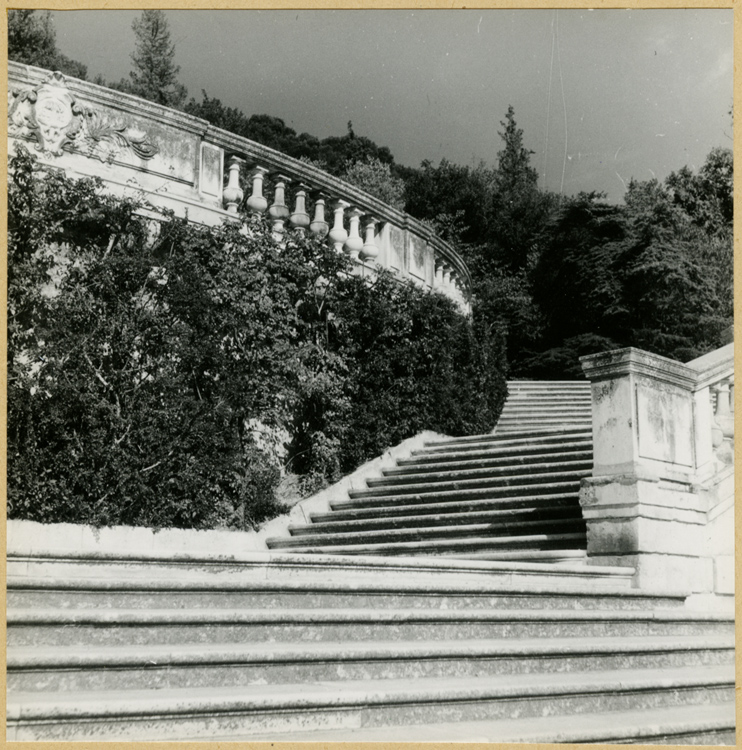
<point>169,375</point>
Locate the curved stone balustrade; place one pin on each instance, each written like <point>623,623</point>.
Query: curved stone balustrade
<point>181,162</point>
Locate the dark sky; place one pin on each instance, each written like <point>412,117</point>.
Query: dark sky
<point>602,96</point>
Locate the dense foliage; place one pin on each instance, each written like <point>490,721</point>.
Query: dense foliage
<point>32,40</point>
<point>165,374</point>
<point>561,276</point>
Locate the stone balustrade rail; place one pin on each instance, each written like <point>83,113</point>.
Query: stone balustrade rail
<point>182,162</point>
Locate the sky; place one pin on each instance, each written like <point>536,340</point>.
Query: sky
<point>603,96</point>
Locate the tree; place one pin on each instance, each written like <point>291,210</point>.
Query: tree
<point>32,40</point>
<point>376,178</point>
<point>154,375</point>
<point>517,209</point>
<point>154,76</point>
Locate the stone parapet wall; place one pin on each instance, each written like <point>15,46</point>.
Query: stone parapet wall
<point>176,161</point>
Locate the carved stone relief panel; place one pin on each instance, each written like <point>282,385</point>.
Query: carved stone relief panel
<point>50,116</point>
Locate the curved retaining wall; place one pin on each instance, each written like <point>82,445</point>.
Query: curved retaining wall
<point>177,161</point>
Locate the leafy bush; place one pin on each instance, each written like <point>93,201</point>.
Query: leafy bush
<point>154,366</point>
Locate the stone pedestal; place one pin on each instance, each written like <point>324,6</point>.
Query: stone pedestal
<point>642,505</point>
<point>654,526</point>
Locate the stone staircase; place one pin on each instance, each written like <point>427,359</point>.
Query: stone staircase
<point>511,495</point>
<point>449,600</point>
<point>540,405</point>
<point>283,647</point>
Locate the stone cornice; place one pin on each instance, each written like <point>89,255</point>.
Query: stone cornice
<point>632,361</point>
<point>25,75</point>
<point>713,367</point>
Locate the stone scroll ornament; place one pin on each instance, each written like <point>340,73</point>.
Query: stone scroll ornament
<point>50,116</point>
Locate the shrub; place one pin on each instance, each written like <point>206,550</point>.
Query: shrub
<point>147,359</point>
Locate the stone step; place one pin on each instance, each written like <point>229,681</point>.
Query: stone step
<point>545,401</point>
<point>536,398</point>
<point>548,384</point>
<point>548,396</point>
<point>176,713</point>
<point>549,402</point>
<point>505,504</point>
<point>434,546</point>
<point>556,414</point>
<point>163,666</point>
<point>417,531</point>
<point>676,725</point>
<point>409,466</point>
<point>516,398</point>
<point>528,423</point>
<point>542,426</point>
<point>330,524</point>
<point>525,479</point>
<point>556,589</point>
<point>534,422</point>
<point>447,473</point>
<point>518,452</point>
<point>371,498</point>
<point>90,627</point>
<point>555,557</point>
<point>489,440</point>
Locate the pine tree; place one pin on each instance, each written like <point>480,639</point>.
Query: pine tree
<point>514,170</point>
<point>154,76</point>
<point>517,209</point>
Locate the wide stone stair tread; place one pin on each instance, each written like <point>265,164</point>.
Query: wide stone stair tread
<point>510,529</point>
<point>443,485</point>
<point>486,453</point>
<point>562,588</point>
<point>409,466</point>
<point>572,433</point>
<point>468,488</point>
<point>37,657</point>
<point>610,726</point>
<point>117,616</point>
<point>332,524</point>
<point>324,544</point>
<point>359,693</point>
<point>360,510</point>
<point>554,556</point>
<point>503,493</point>
<point>446,474</point>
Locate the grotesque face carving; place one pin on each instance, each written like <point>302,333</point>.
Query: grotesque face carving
<point>50,116</point>
<point>54,117</point>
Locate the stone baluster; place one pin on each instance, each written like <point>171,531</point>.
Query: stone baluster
<point>354,243</point>
<point>438,273</point>
<point>257,202</point>
<point>300,218</point>
<point>454,280</point>
<point>723,416</point>
<point>319,227</point>
<point>233,193</point>
<point>338,235</point>
<point>278,210</point>
<point>447,269</point>
<point>369,251</point>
